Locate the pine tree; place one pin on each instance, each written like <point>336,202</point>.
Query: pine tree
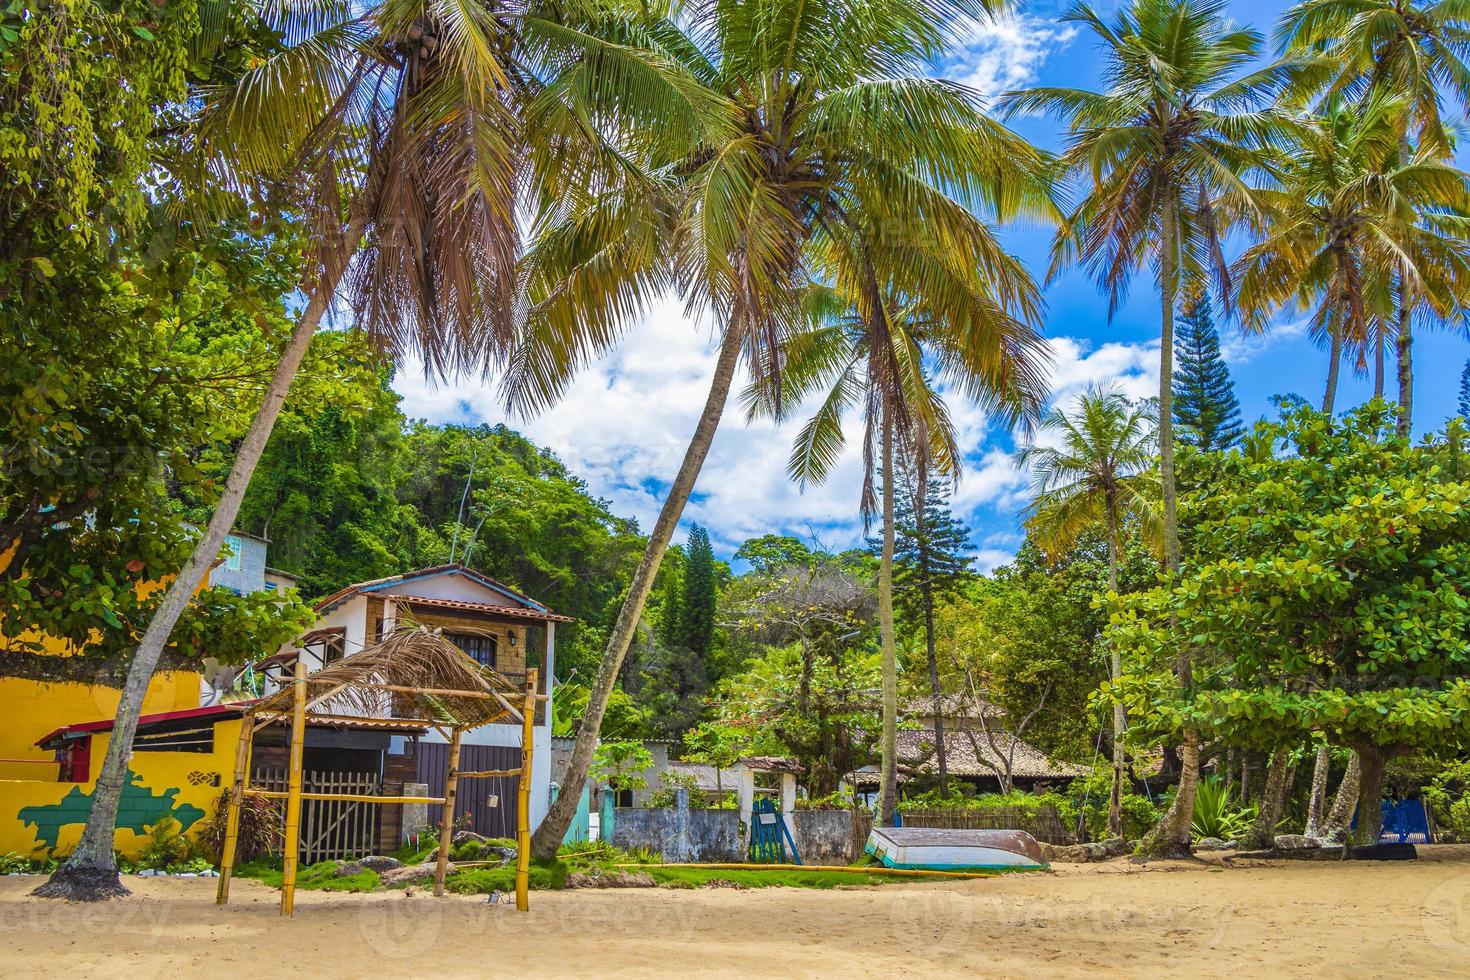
<point>1206,411</point>
<point>697,596</point>
<point>1465,391</point>
<point>931,560</point>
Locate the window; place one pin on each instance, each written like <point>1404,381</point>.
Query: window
<point>479,646</point>
<point>233,547</point>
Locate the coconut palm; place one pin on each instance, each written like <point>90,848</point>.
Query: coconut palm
<point>820,126</point>
<point>1095,465</point>
<point>868,353</point>
<point>401,133</point>
<point>1163,158</point>
<point>1418,53</point>
<point>1344,217</point>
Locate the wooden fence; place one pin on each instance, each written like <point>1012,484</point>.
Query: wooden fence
<point>1045,824</point>
<point>331,829</point>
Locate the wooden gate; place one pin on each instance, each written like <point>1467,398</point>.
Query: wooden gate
<point>331,830</point>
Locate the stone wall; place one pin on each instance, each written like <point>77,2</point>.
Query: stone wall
<point>681,834</point>
<point>828,836</point>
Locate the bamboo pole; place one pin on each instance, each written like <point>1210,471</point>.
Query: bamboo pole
<point>491,774</point>
<point>446,817</point>
<point>232,819</point>
<point>271,794</point>
<point>523,796</point>
<point>293,797</point>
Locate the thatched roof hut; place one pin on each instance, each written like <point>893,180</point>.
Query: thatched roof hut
<point>414,672</point>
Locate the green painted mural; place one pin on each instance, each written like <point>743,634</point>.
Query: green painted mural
<point>139,809</point>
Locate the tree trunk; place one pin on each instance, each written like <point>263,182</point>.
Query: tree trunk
<point>942,754</point>
<point>1317,801</point>
<point>1329,397</point>
<point>553,828</point>
<point>888,796</point>
<point>1115,673</point>
<point>1171,837</point>
<point>1263,832</point>
<point>1345,802</point>
<point>90,873</point>
<point>1405,341</point>
<point>1371,760</point>
<point>1378,360</point>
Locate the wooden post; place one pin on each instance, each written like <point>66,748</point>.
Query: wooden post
<point>293,791</point>
<point>523,796</point>
<point>237,798</point>
<point>446,818</point>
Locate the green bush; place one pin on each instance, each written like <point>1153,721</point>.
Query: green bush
<point>1448,799</point>
<point>1216,814</point>
<point>1086,799</point>
<point>321,876</point>
<point>545,875</point>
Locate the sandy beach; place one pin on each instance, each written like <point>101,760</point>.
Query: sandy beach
<point>1196,918</point>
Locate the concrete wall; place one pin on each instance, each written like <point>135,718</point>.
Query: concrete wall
<point>681,834</point>
<point>250,576</point>
<point>825,836</point>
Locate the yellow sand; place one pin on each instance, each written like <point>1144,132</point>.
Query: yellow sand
<point>1275,919</point>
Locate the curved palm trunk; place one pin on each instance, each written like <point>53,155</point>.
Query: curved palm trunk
<point>553,829</point>
<point>1115,673</point>
<point>90,873</point>
<point>1172,834</point>
<point>1378,360</point>
<point>1406,336</point>
<point>888,796</point>
<point>1329,397</point>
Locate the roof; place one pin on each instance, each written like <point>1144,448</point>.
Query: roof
<point>377,584</point>
<point>707,778</point>
<point>517,612</point>
<point>215,713</point>
<point>966,752</point>
<point>412,667</point>
<point>957,706</point>
<point>771,763</point>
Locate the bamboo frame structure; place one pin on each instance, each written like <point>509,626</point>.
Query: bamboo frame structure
<point>452,710</point>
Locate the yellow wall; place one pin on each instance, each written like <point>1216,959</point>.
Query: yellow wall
<point>185,785</point>
<point>31,709</point>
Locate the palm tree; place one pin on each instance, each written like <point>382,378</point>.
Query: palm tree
<point>814,127</point>
<point>401,133</point>
<point>1163,157</point>
<point>862,351</point>
<point>1345,215</point>
<point>1359,48</point>
<point>1101,471</point>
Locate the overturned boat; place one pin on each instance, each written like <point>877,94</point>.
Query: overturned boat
<point>942,849</point>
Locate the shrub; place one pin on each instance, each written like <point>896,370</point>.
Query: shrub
<point>1216,813</point>
<point>167,846</point>
<point>1448,799</point>
<point>259,834</point>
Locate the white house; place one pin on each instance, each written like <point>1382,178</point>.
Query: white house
<point>491,622</point>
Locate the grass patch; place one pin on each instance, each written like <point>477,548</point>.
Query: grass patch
<point>775,878</point>
<point>318,877</point>
<point>544,876</point>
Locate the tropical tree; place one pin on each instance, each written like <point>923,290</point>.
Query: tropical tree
<point>1464,403</point>
<point>1102,473</point>
<point>1344,216</point>
<point>399,131</point>
<point>794,140</point>
<point>1416,52</point>
<point>933,560</point>
<point>867,355</point>
<point>1162,157</point>
<point>1206,411</point>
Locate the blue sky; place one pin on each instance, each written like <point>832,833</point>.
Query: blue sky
<point>624,424</point>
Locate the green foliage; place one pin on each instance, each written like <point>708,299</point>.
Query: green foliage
<point>166,846</point>
<point>1464,403</point>
<point>1216,813</point>
<point>1083,805</point>
<point>621,765</point>
<point>697,598</point>
<point>774,878</point>
<point>544,876</point>
<point>671,783</point>
<point>773,551</point>
<point>932,551</point>
<point>1206,411</point>
<point>321,876</point>
<point>1448,799</point>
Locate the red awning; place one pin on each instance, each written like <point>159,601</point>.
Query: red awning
<point>92,727</point>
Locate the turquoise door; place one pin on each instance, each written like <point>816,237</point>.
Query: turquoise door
<point>581,826</point>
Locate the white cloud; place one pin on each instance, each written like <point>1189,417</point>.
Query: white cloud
<point>997,54</point>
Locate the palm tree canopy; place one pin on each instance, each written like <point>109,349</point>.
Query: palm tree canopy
<point>1353,48</point>
<point>1347,219</point>
<point>1090,465</point>
<point>1168,150</point>
<point>811,145</point>
<point>425,125</point>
